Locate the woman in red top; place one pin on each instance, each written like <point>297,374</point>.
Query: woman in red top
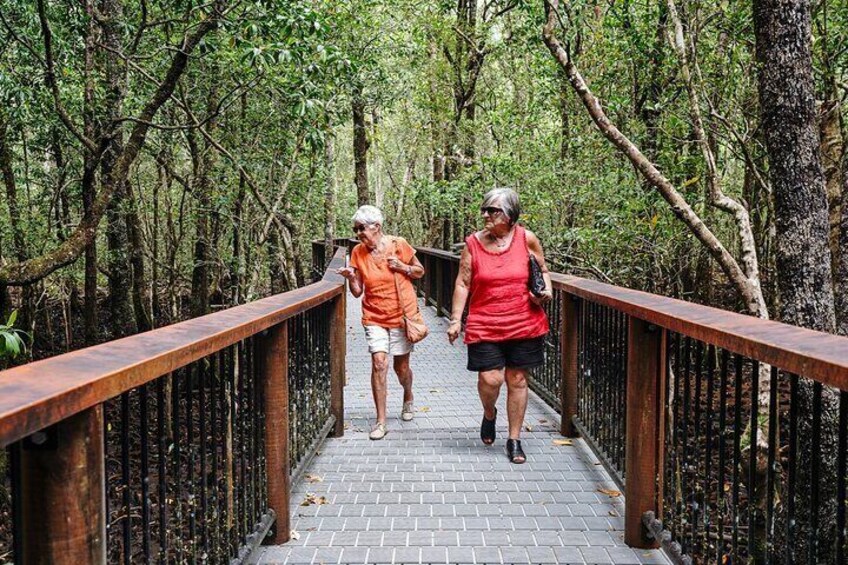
<point>381,268</point>
<point>506,325</point>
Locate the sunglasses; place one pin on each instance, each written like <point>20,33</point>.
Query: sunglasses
<point>490,210</point>
<point>359,228</point>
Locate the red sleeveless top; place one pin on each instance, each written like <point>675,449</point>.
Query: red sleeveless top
<point>500,308</point>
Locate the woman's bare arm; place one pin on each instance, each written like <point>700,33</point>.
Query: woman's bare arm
<point>535,247</point>
<point>460,295</point>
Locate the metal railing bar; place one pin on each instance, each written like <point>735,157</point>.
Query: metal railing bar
<point>598,452</point>
<point>79,380</point>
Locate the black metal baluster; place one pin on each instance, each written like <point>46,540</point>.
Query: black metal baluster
<point>684,440</point>
<point>708,456</point>
<point>722,447</point>
<point>241,418</point>
<point>791,526</point>
<point>815,475</point>
<point>144,422</point>
<point>752,463</point>
<point>126,519</point>
<point>772,473</point>
<point>162,461</point>
<point>202,368</point>
<point>842,471</point>
<point>696,443</point>
<point>217,435</point>
<point>191,382</point>
<point>178,463</point>
<point>737,449</point>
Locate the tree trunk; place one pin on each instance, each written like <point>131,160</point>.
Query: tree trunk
<point>376,158</point>
<point>140,292</point>
<point>329,195</point>
<point>121,311</point>
<point>841,281</point>
<point>360,148</point>
<point>91,329</point>
<point>788,110</point>
<point>830,132</point>
<point>787,104</point>
<point>203,207</point>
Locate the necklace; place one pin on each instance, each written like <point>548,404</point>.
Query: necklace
<point>500,241</point>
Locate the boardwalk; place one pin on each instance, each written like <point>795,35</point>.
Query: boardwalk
<point>431,492</point>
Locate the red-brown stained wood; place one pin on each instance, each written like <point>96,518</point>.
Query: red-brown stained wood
<point>817,355</point>
<point>645,433</point>
<point>273,370</point>
<point>39,394</point>
<point>63,498</point>
<point>338,352</point>
<point>568,362</point>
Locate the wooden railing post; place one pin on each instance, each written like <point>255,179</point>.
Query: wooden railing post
<point>338,350</point>
<point>273,358</point>
<point>63,492</point>
<point>568,363</point>
<point>646,377</point>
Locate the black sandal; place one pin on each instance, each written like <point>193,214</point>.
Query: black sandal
<point>487,429</point>
<point>514,451</point>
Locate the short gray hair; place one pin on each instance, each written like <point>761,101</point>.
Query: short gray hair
<point>368,214</point>
<point>506,199</point>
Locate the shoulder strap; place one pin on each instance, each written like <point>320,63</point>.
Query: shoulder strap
<point>397,284</point>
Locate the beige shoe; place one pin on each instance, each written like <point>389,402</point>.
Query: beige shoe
<point>379,432</point>
<point>408,412</point>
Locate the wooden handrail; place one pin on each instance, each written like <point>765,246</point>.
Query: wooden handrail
<point>817,355</point>
<point>43,393</point>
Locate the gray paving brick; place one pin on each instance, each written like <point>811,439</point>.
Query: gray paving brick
<point>541,555</point>
<point>487,555</point>
<point>354,555</point>
<point>407,555</point>
<point>430,492</point>
<point>514,555</point>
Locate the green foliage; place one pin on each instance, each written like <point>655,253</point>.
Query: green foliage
<point>13,341</point>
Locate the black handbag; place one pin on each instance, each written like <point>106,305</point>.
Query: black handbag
<point>536,283</point>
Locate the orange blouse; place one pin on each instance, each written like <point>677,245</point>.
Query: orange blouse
<point>380,305</point>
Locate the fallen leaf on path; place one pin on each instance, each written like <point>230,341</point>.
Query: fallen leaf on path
<point>423,408</point>
<point>294,535</point>
<point>435,390</point>
<point>528,427</point>
<point>612,493</point>
<point>563,442</point>
<point>311,499</point>
<point>314,479</point>
<point>542,421</point>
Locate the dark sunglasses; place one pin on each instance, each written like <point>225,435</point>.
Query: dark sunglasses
<point>360,228</point>
<point>490,210</point>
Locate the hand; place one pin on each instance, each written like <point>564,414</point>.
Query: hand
<point>453,330</point>
<point>542,299</point>
<point>396,265</point>
<point>347,272</point>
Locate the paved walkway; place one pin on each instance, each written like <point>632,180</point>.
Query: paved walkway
<point>431,492</point>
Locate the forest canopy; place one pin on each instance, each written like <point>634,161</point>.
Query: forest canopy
<point>161,159</point>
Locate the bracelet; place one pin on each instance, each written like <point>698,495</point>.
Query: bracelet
<point>455,321</point>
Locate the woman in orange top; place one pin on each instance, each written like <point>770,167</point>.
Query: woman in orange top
<point>379,266</point>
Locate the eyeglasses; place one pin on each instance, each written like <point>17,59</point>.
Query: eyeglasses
<point>490,210</point>
<point>359,228</point>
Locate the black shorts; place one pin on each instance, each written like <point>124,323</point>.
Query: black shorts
<point>515,353</point>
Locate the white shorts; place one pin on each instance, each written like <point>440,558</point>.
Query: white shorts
<point>392,341</point>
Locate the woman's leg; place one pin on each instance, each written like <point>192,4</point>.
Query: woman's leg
<point>404,375</point>
<point>516,399</point>
<point>379,370</point>
<point>489,387</point>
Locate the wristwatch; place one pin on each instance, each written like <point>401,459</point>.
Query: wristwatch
<point>409,270</point>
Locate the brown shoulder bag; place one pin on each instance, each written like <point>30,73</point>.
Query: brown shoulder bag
<point>413,322</point>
